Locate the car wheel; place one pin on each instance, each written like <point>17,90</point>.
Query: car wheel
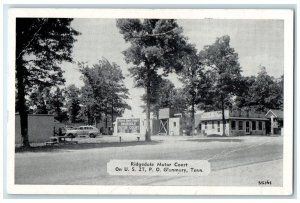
<point>92,135</point>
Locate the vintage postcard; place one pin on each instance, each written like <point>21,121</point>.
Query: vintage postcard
<point>150,101</point>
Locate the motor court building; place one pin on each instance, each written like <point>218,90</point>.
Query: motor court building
<point>275,121</point>
<point>238,123</point>
<point>40,128</point>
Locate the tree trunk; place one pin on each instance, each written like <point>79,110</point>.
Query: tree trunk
<point>73,116</point>
<point>193,100</point>
<point>193,118</point>
<point>100,120</point>
<point>223,116</point>
<point>58,107</point>
<point>112,114</point>
<point>88,116</point>
<point>148,129</point>
<point>106,119</point>
<point>22,105</point>
<point>106,114</point>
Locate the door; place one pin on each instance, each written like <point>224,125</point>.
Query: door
<point>247,127</point>
<point>268,126</point>
<point>164,127</point>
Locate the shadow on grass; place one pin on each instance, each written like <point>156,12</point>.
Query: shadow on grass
<point>216,140</point>
<point>81,146</point>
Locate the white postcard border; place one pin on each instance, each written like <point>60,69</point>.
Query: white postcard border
<point>286,15</point>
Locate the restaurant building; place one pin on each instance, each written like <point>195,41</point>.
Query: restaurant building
<point>238,123</point>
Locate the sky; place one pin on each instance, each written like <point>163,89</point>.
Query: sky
<point>257,42</point>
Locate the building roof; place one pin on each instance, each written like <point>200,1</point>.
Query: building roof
<point>233,118</point>
<point>275,112</point>
<point>229,115</point>
<point>16,114</point>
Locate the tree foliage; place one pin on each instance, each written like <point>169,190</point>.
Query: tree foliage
<point>47,101</point>
<point>180,101</point>
<point>261,93</point>
<point>39,100</point>
<point>41,45</point>
<point>162,95</point>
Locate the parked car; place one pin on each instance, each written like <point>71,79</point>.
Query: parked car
<point>90,131</point>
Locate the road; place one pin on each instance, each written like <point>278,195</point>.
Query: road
<point>235,161</point>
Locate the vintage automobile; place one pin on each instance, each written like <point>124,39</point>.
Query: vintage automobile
<point>90,131</point>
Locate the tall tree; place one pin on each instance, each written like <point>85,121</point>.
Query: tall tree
<point>73,102</point>
<point>154,44</point>
<point>223,61</point>
<point>195,83</point>
<point>104,90</point>
<point>41,45</point>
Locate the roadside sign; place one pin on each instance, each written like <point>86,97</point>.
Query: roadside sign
<point>131,125</point>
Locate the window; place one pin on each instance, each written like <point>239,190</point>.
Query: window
<point>205,124</point>
<point>218,124</point>
<point>174,124</point>
<point>233,125</point>
<point>213,125</point>
<point>259,125</point>
<point>240,125</point>
<point>253,125</point>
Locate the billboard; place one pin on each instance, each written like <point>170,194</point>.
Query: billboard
<point>130,125</point>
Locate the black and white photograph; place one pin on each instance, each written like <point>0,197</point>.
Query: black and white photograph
<point>151,101</point>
